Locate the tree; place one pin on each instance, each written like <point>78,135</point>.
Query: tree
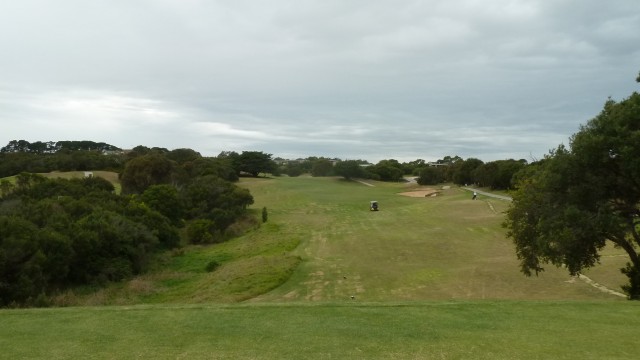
<point>349,169</point>
<point>497,174</point>
<point>463,173</point>
<point>321,167</point>
<point>221,167</point>
<point>570,204</point>
<point>212,198</point>
<point>255,162</point>
<point>387,170</point>
<point>431,175</point>
<point>146,170</point>
<point>183,155</point>
<point>164,199</point>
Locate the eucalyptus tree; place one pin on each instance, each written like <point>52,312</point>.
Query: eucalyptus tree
<point>577,199</point>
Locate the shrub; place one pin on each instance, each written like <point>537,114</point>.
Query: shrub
<point>200,231</point>
<point>212,265</point>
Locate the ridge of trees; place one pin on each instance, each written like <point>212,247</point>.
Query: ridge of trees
<point>58,233</point>
<point>50,147</point>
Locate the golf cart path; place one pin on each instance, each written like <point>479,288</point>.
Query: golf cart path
<point>501,197</point>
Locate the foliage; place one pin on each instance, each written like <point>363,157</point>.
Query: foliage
<point>209,197</point>
<point>293,169</point>
<point>322,167</point>
<point>463,171</point>
<point>212,265</point>
<point>50,147</point>
<point>221,167</point>
<point>58,232</point>
<point>431,175</point>
<point>201,231</point>
<point>165,199</point>
<point>413,167</point>
<point>265,215</point>
<point>349,169</point>
<point>254,163</point>
<point>146,170</point>
<point>577,199</point>
<point>498,174</point>
<point>387,170</point>
<point>183,155</point>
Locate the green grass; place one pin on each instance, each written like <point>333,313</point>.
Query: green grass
<point>432,278</point>
<point>435,248</point>
<point>425,330</point>
<point>322,243</point>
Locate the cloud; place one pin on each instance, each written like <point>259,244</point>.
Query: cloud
<point>353,79</point>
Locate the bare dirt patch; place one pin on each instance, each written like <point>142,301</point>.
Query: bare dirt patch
<point>426,192</point>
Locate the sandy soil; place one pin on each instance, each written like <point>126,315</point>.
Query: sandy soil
<point>420,193</point>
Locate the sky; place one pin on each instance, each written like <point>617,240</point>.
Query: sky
<point>352,79</point>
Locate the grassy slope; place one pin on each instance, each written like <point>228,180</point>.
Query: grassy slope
<point>419,269</point>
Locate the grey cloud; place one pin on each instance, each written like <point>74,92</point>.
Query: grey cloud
<point>419,79</point>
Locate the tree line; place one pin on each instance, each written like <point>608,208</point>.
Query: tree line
<point>59,233</point>
<point>496,175</point>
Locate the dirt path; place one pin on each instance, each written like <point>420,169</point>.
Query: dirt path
<point>600,287</point>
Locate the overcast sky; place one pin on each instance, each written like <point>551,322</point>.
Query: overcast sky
<point>354,79</point>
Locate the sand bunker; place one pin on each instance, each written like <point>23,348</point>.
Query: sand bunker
<point>420,193</point>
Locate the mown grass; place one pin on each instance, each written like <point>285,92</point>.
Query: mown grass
<point>432,278</point>
<point>435,248</point>
<point>422,330</point>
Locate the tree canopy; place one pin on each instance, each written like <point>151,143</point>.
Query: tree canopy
<point>575,200</point>
<point>58,233</point>
<point>349,169</point>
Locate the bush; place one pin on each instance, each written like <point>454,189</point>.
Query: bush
<point>212,265</point>
<point>200,231</point>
